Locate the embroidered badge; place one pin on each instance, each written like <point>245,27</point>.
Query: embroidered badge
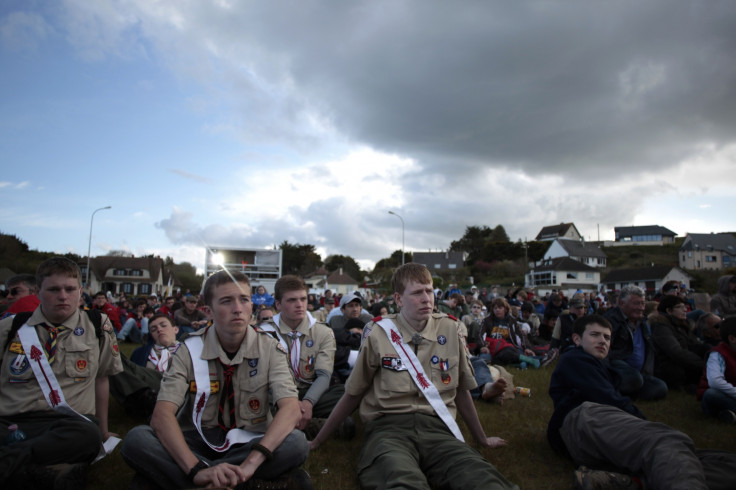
<point>81,365</point>
<point>16,348</point>
<point>115,349</point>
<point>444,365</point>
<point>258,420</point>
<point>107,327</point>
<point>446,378</point>
<point>281,348</point>
<point>214,387</point>
<point>442,340</point>
<point>19,365</point>
<point>78,331</point>
<point>310,343</point>
<point>254,404</point>
<point>252,362</point>
<point>15,381</point>
<point>253,373</point>
<point>366,331</point>
<point>392,362</point>
<point>435,359</point>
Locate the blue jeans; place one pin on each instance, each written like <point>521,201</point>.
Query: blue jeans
<point>638,385</point>
<point>482,375</point>
<point>130,329</point>
<point>716,401</point>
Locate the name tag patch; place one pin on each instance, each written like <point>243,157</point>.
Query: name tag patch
<point>393,363</point>
<point>214,386</point>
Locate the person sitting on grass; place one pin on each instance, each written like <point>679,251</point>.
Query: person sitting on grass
<point>411,377</point>
<point>221,382</point>
<point>503,341</point>
<point>599,428</point>
<point>717,389</point>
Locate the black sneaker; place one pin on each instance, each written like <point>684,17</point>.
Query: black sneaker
<point>727,416</point>
<point>297,479</point>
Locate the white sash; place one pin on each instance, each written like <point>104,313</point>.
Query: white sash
<point>42,370</point>
<point>202,379</point>
<point>296,342</point>
<point>425,385</point>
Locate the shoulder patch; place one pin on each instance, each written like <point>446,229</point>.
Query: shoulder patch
<point>280,347</point>
<point>16,348</point>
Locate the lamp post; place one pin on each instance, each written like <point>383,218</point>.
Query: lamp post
<point>402,235</point>
<point>89,245</point>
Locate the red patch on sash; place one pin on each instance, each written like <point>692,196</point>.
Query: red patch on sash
<point>254,404</point>
<point>81,365</point>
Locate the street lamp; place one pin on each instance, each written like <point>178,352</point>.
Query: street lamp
<point>89,245</point>
<point>402,235</point>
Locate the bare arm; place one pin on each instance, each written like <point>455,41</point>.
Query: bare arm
<point>347,405</point>
<point>465,407</point>
<point>102,395</point>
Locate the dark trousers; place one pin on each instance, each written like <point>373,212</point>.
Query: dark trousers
<point>51,438</point>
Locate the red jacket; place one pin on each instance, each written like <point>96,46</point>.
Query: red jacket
<point>729,355</point>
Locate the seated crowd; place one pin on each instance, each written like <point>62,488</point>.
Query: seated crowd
<point>238,385</point>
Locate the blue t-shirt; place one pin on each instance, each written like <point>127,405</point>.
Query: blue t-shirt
<point>636,360</point>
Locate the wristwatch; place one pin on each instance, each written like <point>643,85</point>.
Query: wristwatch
<point>196,469</point>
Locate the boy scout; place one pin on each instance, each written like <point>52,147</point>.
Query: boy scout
<point>222,376</point>
<point>56,357</point>
<point>311,347</point>
<point>411,376</point>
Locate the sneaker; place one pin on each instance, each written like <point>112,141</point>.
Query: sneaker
<point>587,479</point>
<point>727,416</point>
<point>533,362</point>
<point>313,428</point>
<point>297,479</point>
<point>346,430</point>
<point>550,356</point>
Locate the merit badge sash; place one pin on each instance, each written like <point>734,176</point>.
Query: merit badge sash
<point>294,352</point>
<point>202,378</point>
<point>428,389</point>
<point>42,370</point>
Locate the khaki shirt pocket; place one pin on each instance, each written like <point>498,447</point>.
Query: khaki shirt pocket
<point>445,374</point>
<point>253,409</point>
<point>77,361</point>
<point>396,381</point>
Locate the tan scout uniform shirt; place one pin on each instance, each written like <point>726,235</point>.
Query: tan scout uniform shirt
<point>316,351</point>
<point>262,366</point>
<point>388,386</point>
<point>80,358</point>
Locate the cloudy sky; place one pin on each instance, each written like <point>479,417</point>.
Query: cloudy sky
<point>248,123</point>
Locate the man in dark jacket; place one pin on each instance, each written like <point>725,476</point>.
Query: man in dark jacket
<point>632,349</point>
<point>599,428</point>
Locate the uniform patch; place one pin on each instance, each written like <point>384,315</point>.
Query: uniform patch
<point>15,381</point>
<point>78,331</point>
<point>253,373</point>
<point>252,362</point>
<point>446,378</point>
<point>107,327</point>
<point>19,365</point>
<point>367,331</point>
<point>435,359</point>
<point>254,404</point>
<point>80,380</point>
<point>214,387</point>
<point>115,349</point>
<point>310,343</point>
<point>280,347</point>
<point>310,364</point>
<point>16,348</point>
<point>442,340</point>
<point>81,365</point>
<point>258,420</point>
<point>393,363</point>
<point>444,365</point>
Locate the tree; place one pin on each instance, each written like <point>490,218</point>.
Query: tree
<point>349,266</point>
<point>299,259</point>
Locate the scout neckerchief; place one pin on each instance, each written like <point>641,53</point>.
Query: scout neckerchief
<point>295,351</point>
<point>202,379</point>
<point>42,370</point>
<point>161,361</point>
<point>428,389</point>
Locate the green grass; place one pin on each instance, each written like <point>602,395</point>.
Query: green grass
<point>527,461</point>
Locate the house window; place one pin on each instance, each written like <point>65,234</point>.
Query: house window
<point>711,258</point>
<point>127,288</point>
<point>437,266</point>
<point>136,272</point>
<point>572,275</point>
<point>144,289</point>
<point>452,266</point>
<point>589,275</point>
<point>119,272</point>
<point>689,255</point>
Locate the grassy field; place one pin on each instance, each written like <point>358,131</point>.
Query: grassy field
<point>528,460</point>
